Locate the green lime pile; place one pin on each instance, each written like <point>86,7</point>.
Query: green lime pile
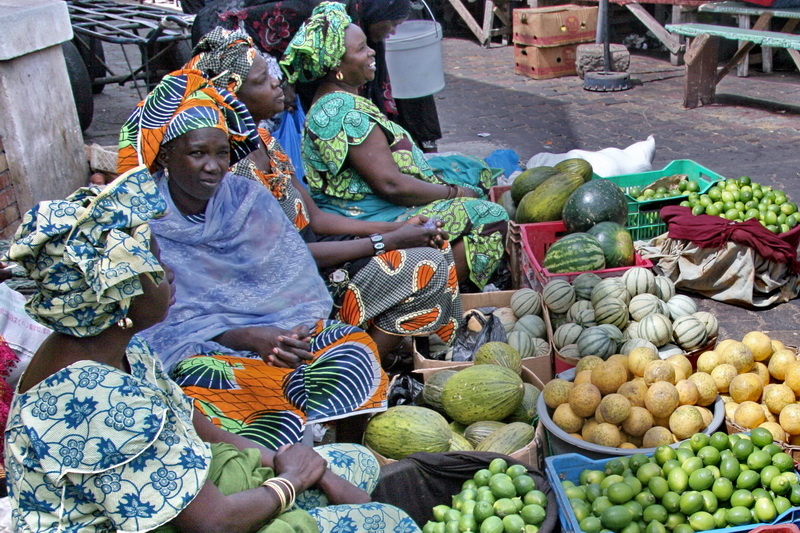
<point>706,483</point>
<point>684,187</point>
<point>498,499</point>
<point>740,199</point>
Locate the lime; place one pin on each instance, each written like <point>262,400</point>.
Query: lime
<point>654,512</point>
<point>678,480</point>
<point>515,471</point>
<point>743,180</point>
<point>502,487</point>
<point>595,476</point>
<point>674,520</point>
<point>742,449</point>
<point>692,186</point>
<point>439,511</point>
<point>684,452</point>
<point>498,465</point>
<point>513,524</point>
<point>772,449</point>
<point>648,471</point>
<point>768,473</point>
<point>658,486</point>
<point>720,518</point>
<point>701,521</point>
<point>504,507</point>
<point>645,499</point>
<point>715,471</point>
<point>619,493</point>
<point>760,492</point>
<point>691,502</point>
<point>525,483</point>
<point>748,480</point>
<point>636,460</point>
<point>539,498</point>
<point>780,485</point>
<point>592,492</point>
<point>428,527</point>
<point>468,507</point>
<point>758,460</point>
<point>691,464</point>
<point>764,510</point>
<point>601,504</point>
<point>710,502</point>
<point>729,467</point>
<point>742,498</point>
<point>669,466</point>
<point>738,516</point>
<point>482,511</point>
<point>591,524</point>
<point>616,517</point>
<point>451,526</point>
<point>722,489</point>
<point>519,505</point>
<point>783,461</point>
<point>655,527</point>
<point>469,484</point>
<point>794,495</point>
<point>452,515</point>
<point>486,496</point>
<point>467,523</point>
<point>698,440</point>
<point>671,501</point>
<point>635,509</point>
<point>505,477</point>
<point>701,479</point>
<point>709,455</point>
<point>782,504</point>
<point>614,466</point>
<point>610,480</point>
<point>635,484</point>
<point>719,440</point>
<point>664,454</point>
<point>482,477</point>
<point>493,524</point>
<point>715,193</point>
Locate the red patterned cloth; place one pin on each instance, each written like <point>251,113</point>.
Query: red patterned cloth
<point>709,231</point>
<point>8,360</point>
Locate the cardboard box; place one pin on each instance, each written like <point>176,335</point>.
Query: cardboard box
<point>555,25</point>
<point>542,366</point>
<point>545,63</point>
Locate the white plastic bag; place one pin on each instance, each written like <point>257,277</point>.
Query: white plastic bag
<point>22,333</point>
<point>636,158</point>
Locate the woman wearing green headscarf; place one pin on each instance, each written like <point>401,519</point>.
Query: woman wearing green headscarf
<point>356,169</point>
<point>100,439</point>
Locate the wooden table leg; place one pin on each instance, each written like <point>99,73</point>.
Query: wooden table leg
<point>701,71</point>
<point>742,70</point>
<point>681,14</point>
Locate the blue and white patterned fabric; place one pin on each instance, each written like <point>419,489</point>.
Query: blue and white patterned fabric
<point>94,449</point>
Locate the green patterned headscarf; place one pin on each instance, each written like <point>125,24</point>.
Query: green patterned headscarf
<point>225,56</point>
<point>318,46</point>
<point>86,253</point>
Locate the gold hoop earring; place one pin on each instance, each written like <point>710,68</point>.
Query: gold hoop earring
<point>339,75</point>
<point>125,323</point>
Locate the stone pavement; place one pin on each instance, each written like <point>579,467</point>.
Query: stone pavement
<point>752,130</point>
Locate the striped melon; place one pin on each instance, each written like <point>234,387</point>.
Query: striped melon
<point>578,306</point>
<point>655,328</point>
<point>526,302</point>
<point>712,326</point>
<point>586,318</point>
<point>498,353</point>
<point>522,342</point>
<point>632,331</point>
<point>404,429</point>
<point>557,319</point>
<point>584,284</point>
<point>541,348</point>
<point>506,317</point>
<point>558,295</point>
<point>596,341</point>
<point>639,280</point>
<point>612,311</point>
<point>576,165</point>
<point>680,305</point>
<point>567,334</point>
<point>665,289</point>
<point>477,431</point>
<point>610,287</point>
<point>459,444</point>
<point>455,427</point>
<point>689,332</point>
<point>532,325</point>
<point>576,252</point>
<point>613,332</point>
<point>571,351</point>
<point>630,344</point>
<point>507,439</point>
<point>526,411</point>
<point>644,304</point>
<point>432,390</point>
<point>669,349</point>
<point>482,392</point>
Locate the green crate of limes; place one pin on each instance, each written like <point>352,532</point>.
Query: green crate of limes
<point>708,483</point>
<point>645,201</point>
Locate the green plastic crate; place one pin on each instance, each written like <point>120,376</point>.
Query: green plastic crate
<point>644,221</point>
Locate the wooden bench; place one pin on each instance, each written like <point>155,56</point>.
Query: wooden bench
<point>702,53</point>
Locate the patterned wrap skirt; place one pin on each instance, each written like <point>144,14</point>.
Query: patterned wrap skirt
<point>270,405</point>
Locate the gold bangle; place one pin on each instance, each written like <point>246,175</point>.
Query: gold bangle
<point>290,487</point>
<point>279,492</point>
<point>278,484</point>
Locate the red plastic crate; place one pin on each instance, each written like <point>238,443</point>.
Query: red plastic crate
<point>537,239</point>
<point>777,528</point>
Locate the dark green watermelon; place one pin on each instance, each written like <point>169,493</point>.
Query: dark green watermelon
<point>577,252</point>
<point>616,243</point>
<point>597,201</point>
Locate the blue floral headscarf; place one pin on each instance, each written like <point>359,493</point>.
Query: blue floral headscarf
<point>86,253</point>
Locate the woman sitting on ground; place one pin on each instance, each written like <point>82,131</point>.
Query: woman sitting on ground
<point>248,336</point>
<point>99,439</point>
<point>361,165</point>
<point>383,293</point>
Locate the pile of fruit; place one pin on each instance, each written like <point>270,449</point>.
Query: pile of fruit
<point>706,483</point>
<point>759,379</point>
<point>631,401</point>
<point>676,189</point>
<point>488,408</point>
<point>741,199</point>
<point>498,499</point>
<point>594,316</point>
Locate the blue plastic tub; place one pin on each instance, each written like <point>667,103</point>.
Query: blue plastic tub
<point>568,467</point>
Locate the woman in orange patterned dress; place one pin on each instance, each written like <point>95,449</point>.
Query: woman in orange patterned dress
<point>393,279</point>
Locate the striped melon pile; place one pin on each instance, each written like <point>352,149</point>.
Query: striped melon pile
<point>602,317</point>
<point>524,324</point>
<point>488,408</point>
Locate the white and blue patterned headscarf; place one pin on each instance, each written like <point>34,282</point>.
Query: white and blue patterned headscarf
<point>86,253</point>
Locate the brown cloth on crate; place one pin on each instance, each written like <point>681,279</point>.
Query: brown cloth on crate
<point>709,231</point>
<point>422,480</point>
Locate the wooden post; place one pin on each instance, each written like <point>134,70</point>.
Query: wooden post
<point>701,71</point>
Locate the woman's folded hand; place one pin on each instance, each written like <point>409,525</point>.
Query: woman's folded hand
<point>281,347</point>
<point>299,464</point>
<point>415,236</point>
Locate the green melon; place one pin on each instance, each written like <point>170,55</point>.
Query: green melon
<point>482,392</point>
<point>584,284</point>
<point>558,295</point>
<point>522,342</point>
<point>432,390</point>
<point>526,411</point>
<point>477,431</point>
<point>680,305</point>
<point>546,202</point>
<point>710,321</point>
<point>567,334</point>
<point>655,328</point>
<point>665,289</point>
<point>616,243</point>
<point>594,202</point>
<point>630,344</point>
<point>541,348</point>
<point>586,318</point>
<point>455,427</point>
<point>644,304</point>
<point>508,204</point>
<point>571,351</point>
<point>610,287</point>
<point>526,302</point>
<point>596,341</point>
<point>507,439</point>
<point>689,332</point>
<point>529,180</point>
<point>577,252</point>
<point>639,280</point>
<point>499,353</point>
<point>460,444</point>
<point>406,429</point>
<point>612,310</point>
<point>613,331</point>
<point>577,307</point>
<point>576,165</point>
<point>532,325</point>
